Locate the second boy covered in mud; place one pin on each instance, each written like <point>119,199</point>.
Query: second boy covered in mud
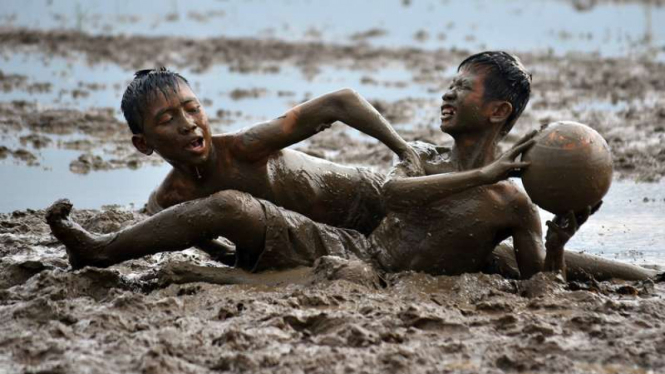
<point>446,214</point>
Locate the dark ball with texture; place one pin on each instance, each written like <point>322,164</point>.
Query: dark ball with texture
<point>571,168</point>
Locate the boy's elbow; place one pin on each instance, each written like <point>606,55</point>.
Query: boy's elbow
<point>347,93</point>
<point>344,97</point>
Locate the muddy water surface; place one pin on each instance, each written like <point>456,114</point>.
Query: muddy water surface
<point>611,28</point>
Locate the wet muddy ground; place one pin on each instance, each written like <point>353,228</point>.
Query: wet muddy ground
<point>137,317</point>
<point>61,135</point>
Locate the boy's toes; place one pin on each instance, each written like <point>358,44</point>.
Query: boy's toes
<point>58,210</point>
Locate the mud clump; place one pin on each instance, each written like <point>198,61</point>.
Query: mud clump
<point>239,94</point>
<point>20,155</point>
<point>11,82</point>
<point>101,130</point>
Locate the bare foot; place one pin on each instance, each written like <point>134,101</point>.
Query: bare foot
<point>83,248</point>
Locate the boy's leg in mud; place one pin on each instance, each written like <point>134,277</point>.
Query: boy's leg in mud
<point>579,266</point>
<point>235,215</point>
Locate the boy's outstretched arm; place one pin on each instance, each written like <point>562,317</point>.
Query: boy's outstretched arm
<point>316,115</point>
<point>403,191</point>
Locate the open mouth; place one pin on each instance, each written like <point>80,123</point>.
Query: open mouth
<point>447,112</point>
<point>196,145</point>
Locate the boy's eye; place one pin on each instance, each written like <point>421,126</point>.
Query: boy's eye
<point>165,119</point>
<point>194,108</point>
<point>457,85</point>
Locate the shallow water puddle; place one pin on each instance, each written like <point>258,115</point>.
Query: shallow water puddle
<point>255,96</point>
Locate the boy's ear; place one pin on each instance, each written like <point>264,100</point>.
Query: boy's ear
<point>141,144</point>
<point>501,111</point>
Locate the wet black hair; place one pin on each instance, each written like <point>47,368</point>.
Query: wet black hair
<point>146,83</point>
<point>507,79</point>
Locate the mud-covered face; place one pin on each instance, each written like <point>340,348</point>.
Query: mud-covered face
<point>176,127</point>
<point>464,108</point>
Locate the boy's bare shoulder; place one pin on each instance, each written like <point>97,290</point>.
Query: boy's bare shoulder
<point>173,190</point>
<point>235,146</point>
<point>430,152</point>
<point>436,158</point>
<point>170,192</point>
<point>508,192</point>
<point>509,197</point>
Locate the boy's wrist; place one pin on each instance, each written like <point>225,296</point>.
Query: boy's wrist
<point>402,149</point>
<point>485,176</point>
<point>554,244</point>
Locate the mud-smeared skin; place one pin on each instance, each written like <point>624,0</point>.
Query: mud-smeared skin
<point>256,160</point>
<point>107,321</point>
<point>440,235</point>
<point>326,192</point>
<point>441,238</point>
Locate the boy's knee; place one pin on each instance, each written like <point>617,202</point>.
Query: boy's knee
<point>231,203</point>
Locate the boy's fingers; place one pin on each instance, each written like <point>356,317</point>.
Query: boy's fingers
<point>583,216</point>
<point>522,164</point>
<point>558,219</point>
<point>572,221</point>
<point>517,168</point>
<point>556,228</point>
<point>521,148</point>
<point>526,137</point>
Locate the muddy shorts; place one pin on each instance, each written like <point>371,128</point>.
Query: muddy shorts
<point>294,240</point>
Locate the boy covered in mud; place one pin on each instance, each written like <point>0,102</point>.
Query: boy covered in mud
<point>447,208</point>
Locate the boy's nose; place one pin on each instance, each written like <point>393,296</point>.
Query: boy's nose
<point>449,95</point>
<point>187,127</point>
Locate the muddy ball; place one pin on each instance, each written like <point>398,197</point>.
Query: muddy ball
<point>571,168</point>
